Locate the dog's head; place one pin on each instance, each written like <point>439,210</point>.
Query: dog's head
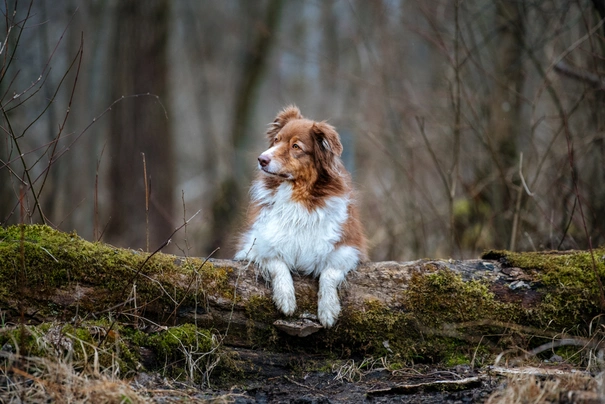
<point>300,149</point>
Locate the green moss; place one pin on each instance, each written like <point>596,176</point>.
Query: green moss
<point>187,348</point>
<point>442,318</point>
<point>261,314</point>
<point>261,309</point>
<point>443,297</point>
<point>378,330</point>
<point>174,341</point>
<point>456,359</point>
<point>37,261</point>
<point>567,281</point>
<point>173,349</point>
<point>23,340</point>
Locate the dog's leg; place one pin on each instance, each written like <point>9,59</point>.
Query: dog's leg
<point>328,306</point>
<point>282,285</point>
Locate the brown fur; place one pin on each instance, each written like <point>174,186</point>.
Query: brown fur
<point>352,233</point>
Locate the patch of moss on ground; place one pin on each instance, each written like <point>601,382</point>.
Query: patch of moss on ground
<point>186,337</point>
<point>187,351</point>
<point>176,350</point>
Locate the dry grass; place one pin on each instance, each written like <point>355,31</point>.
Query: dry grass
<point>42,380</point>
<point>532,389</point>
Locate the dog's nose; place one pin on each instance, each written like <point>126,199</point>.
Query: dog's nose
<point>263,160</point>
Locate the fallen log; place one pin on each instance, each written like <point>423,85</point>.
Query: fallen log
<point>429,310</point>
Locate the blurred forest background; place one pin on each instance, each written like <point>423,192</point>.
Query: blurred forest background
<point>467,124</point>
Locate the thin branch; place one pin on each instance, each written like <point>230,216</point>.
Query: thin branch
<point>521,175</point>
<point>71,98</point>
<point>582,75</point>
<point>25,168</point>
<point>12,57</point>
<point>191,282</point>
<point>442,175</point>
<point>133,278</point>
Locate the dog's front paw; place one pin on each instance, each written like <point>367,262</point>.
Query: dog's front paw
<point>283,294</point>
<point>327,313</point>
<point>285,301</point>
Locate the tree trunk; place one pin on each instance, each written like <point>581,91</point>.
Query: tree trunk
<point>505,118</point>
<point>140,125</point>
<point>421,309</point>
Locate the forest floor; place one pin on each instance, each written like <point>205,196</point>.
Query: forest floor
<point>321,387</point>
<point>349,382</point>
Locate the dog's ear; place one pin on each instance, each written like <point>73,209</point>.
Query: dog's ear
<point>287,114</point>
<point>329,148</point>
<point>327,138</point>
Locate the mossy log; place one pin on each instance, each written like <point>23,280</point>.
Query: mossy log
<point>428,310</point>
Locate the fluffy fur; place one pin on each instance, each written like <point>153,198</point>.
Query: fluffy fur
<point>302,215</point>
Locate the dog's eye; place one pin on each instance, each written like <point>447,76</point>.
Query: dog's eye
<point>295,146</point>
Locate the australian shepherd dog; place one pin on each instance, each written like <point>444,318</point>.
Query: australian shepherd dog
<point>302,216</point>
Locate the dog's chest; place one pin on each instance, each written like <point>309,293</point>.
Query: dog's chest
<point>287,229</point>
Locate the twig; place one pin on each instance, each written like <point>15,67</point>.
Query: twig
<point>15,138</point>
<point>191,282</point>
<point>146,200</point>
<point>551,345</point>
<point>575,73</point>
<point>69,214</point>
<point>522,176</point>
<point>25,168</point>
<point>71,98</point>
<point>447,184</point>
<point>45,70</point>
<point>513,235</point>
<point>573,210</point>
<point>136,274</point>
<point>235,289</point>
<point>12,56</point>
<point>96,235</point>
<point>77,137</point>
<point>567,51</point>
<point>440,385</point>
<point>302,385</point>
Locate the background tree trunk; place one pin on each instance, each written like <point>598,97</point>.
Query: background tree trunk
<point>505,120</point>
<point>140,125</point>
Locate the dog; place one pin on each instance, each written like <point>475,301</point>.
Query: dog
<point>303,216</point>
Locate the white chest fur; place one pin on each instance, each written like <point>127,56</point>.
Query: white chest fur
<point>287,230</point>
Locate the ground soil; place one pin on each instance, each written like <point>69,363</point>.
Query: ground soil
<point>415,385</point>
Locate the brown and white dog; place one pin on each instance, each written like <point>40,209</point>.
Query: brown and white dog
<point>302,215</point>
